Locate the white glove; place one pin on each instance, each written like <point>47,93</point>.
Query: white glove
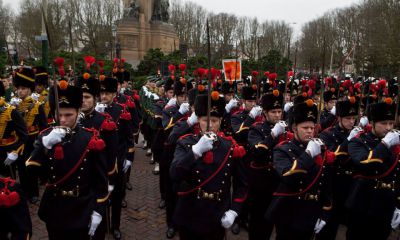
<point>35,96</point>
<point>396,218</point>
<point>319,225</point>
<point>192,120</point>
<point>203,145</point>
<point>333,110</point>
<point>184,108</point>
<point>100,107</point>
<point>55,136</point>
<point>313,148</point>
<point>171,102</point>
<point>354,132</point>
<point>15,101</point>
<point>95,221</point>
<point>391,139</point>
<point>155,97</point>
<point>228,218</point>
<point>11,157</point>
<point>231,105</point>
<point>122,90</point>
<point>126,166</point>
<point>363,121</point>
<point>288,106</point>
<point>110,188</point>
<point>278,129</point>
<point>255,112</point>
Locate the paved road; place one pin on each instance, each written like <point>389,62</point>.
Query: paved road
<point>142,219</point>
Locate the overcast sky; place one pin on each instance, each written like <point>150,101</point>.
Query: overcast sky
<point>291,11</point>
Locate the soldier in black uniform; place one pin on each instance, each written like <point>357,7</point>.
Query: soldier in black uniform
<point>263,179</point>
<point>373,202</point>
<point>242,120</point>
<point>13,135</point>
<point>122,117</point>
<point>204,166</point>
<point>302,200</point>
<point>337,138</point>
<point>75,166</point>
<point>35,119</point>
<point>175,110</point>
<point>14,211</point>
<point>232,105</point>
<point>328,115</point>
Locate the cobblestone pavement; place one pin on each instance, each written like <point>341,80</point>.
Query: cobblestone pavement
<point>142,219</point>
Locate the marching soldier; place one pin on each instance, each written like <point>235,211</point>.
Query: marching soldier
<point>328,115</point>
<point>337,138</point>
<point>204,166</point>
<point>373,201</point>
<point>176,109</point>
<point>302,201</point>
<point>72,158</point>
<point>232,105</point>
<point>41,85</point>
<point>35,119</point>
<point>263,179</point>
<point>13,135</point>
<point>242,120</point>
<point>122,117</point>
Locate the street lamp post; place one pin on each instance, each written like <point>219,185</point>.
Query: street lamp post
<point>114,35</point>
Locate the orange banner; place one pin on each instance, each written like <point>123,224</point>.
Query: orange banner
<point>232,69</point>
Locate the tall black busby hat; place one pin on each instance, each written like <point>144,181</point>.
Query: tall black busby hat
<point>182,86</point>
<point>109,84</point>
<point>330,95</point>
<point>300,98</point>
<point>272,100</point>
<point>228,87</point>
<point>90,85</point>
<point>305,111</point>
<point>192,93</point>
<point>347,107</point>
<point>382,111</point>
<point>119,76</point>
<point>68,96</point>
<point>249,93</point>
<point>41,76</point>
<point>169,84</point>
<point>24,77</point>
<point>127,76</point>
<point>217,105</point>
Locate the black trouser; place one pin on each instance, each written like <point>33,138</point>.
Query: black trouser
<point>186,234</point>
<point>259,227</point>
<point>286,232</point>
<point>361,226</point>
<point>170,194</point>
<point>61,234</point>
<point>118,193</point>
<point>29,182</point>
<point>157,155</point>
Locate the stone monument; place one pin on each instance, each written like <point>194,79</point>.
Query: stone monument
<point>145,26</point>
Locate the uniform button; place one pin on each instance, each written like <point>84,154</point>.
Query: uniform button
<point>199,180</point>
<point>54,177</point>
<point>79,177</point>
<point>51,168</point>
<point>223,182</point>
<point>81,168</point>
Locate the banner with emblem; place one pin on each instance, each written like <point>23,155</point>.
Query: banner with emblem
<point>232,68</point>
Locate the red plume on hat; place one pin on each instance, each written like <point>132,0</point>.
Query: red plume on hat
<point>201,72</point>
<point>266,74</point>
<point>214,73</point>
<point>311,84</point>
<point>290,74</point>
<point>59,61</point>
<point>89,60</point>
<point>328,81</point>
<point>101,66</point>
<point>115,68</point>
<point>381,84</point>
<point>272,76</point>
<point>254,74</point>
<point>182,67</point>
<point>171,68</point>
<point>122,63</point>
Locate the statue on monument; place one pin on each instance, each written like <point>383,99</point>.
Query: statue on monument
<point>133,10</point>
<point>160,11</point>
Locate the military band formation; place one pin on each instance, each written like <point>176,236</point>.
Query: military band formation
<point>290,158</point>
